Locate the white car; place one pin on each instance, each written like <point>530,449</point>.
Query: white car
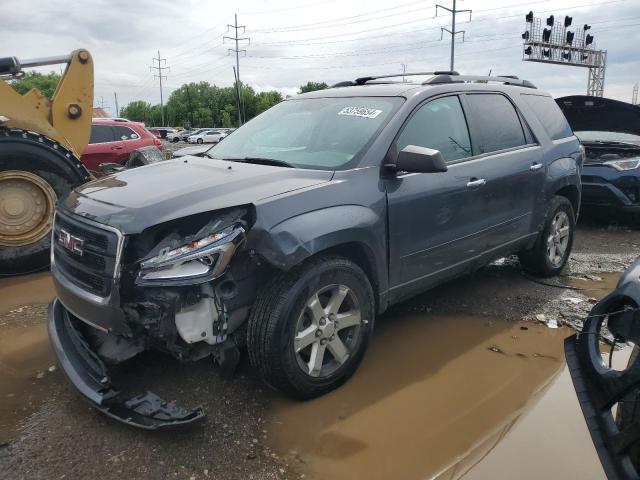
<point>208,136</point>
<point>174,136</point>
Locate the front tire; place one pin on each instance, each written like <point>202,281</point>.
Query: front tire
<point>200,141</point>
<point>552,249</point>
<point>310,327</point>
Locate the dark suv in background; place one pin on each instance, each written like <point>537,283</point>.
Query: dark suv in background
<point>293,234</point>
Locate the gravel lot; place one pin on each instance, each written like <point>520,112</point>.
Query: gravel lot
<point>53,434</point>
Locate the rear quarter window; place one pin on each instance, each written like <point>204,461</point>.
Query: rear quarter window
<point>549,114</point>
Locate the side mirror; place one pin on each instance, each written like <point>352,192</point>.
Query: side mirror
<point>414,159</point>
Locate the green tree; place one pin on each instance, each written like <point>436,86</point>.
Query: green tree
<point>138,111</point>
<point>313,86</point>
<point>45,83</point>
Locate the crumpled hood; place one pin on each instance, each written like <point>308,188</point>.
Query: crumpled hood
<point>133,200</point>
<point>600,114</point>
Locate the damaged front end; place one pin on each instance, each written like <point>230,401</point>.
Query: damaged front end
<point>610,396</point>
<point>169,288</point>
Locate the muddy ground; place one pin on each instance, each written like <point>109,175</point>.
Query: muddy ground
<point>468,377</point>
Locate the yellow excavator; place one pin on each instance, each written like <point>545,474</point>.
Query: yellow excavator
<point>41,142</point>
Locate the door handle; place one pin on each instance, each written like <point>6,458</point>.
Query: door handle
<point>478,182</point>
<point>535,167</point>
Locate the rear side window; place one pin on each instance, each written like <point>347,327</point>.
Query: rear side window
<point>439,124</point>
<point>125,133</point>
<point>497,124</point>
<point>101,134</point>
<point>550,116</point>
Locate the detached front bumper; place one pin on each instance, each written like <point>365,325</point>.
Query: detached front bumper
<point>88,374</point>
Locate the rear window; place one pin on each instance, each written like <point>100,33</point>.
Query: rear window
<point>101,134</point>
<point>550,116</point>
<point>125,133</point>
<point>497,124</point>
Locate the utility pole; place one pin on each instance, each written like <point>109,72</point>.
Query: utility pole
<point>634,98</point>
<point>453,31</point>
<point>115,97</point>
<point>162,62</point>
<point>237,51</point>
<point>404,70</point>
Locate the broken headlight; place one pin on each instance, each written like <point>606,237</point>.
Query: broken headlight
<point>195,262</point>
<point>626,164</point>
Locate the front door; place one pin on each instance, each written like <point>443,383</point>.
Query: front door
<point>437,221</point>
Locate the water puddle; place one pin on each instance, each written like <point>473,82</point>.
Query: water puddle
<point>25,290</point>
<point>435,396</point>
<point>25,354</point>
<point>25,379</point>
<point>597,286</point>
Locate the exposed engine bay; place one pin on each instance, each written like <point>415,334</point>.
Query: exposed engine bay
<point>176,294</point>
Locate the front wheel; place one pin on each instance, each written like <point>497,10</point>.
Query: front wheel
<point>309,329</point>
<point>551,251</point>
<point>200,140</point>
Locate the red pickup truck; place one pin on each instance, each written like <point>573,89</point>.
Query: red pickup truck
<point>112,140</point>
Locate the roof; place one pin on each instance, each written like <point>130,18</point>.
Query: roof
<point>100,113</point>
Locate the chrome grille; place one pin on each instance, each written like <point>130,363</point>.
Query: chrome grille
<point>91,266</point>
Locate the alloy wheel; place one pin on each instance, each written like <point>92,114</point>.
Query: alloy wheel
<point>327,331</point>
<point>558,238</point>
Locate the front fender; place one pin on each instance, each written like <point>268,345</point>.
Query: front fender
<point>295,239</point>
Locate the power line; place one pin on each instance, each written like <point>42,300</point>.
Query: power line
<point>337,22</point>
<point>161,66</point>
<point>287,8</point>
<point>237,51</point>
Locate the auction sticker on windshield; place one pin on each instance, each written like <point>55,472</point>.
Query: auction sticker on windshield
<point>360,112</point>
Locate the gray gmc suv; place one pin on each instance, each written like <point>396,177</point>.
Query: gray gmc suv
<point>293,234</point>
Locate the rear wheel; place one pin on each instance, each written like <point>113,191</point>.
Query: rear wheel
<point>551,251</point>
<point>309,330</point>
<point>34,174</point>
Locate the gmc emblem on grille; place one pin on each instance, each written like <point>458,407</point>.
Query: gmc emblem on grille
<point>70,242</point>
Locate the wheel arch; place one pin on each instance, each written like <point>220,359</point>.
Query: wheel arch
<point>352,231</point>
<point>571,193</point>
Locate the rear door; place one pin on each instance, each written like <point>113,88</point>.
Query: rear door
<point>131,141</point>
<point>436,220</point>
<point>513,166</point>
<point>102,147</point>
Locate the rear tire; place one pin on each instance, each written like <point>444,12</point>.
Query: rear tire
<point>552,249</point>
<point>309,327</point>
<point>32,164</point>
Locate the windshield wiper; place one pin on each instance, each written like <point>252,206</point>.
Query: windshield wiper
<point>261,161</point>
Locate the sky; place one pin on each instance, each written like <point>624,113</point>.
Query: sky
<point>292,42</point>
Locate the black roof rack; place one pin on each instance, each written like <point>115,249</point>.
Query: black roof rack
<point>440,77</point>
<point>365,80</point>
<point>507,80</point>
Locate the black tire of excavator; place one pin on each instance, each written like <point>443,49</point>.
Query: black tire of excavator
<point>28,151</point>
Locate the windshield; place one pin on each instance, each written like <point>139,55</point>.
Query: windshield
<point>606,136</point>
<point>315,133</point>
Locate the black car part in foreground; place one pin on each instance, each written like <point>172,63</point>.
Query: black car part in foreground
<point>89,375</point>
<point>600,388</point>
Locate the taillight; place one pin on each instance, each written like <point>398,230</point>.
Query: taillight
<point>157,142</point>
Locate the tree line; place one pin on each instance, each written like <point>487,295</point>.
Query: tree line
<point>198,104</point>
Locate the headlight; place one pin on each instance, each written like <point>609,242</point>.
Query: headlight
<point>196,262</point>
<point>626,164</point>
